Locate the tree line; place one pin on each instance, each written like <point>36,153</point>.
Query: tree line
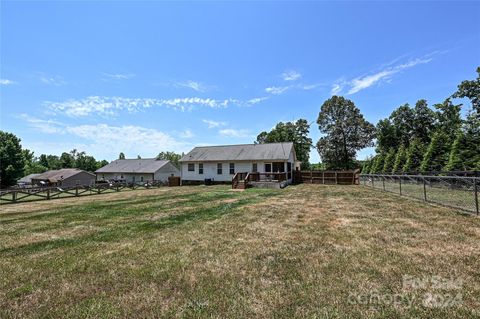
<point>16,162</point>
<point>421,139</point>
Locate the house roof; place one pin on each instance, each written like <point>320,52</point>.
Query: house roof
<point>27,179</point>
<point>144,165</point>
<point>60,174</point>
<point>242,152</point>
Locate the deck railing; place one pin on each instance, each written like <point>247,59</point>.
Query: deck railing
<point>266,177</point>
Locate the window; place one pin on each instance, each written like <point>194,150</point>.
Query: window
<point>191,167</point>
<point>232,168</point>
<point>219,169</point>
<point>200,168</point>
<point>141,179</point>
<point>254,168</point>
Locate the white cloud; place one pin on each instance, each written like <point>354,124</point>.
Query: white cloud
<point>229,132</point>
<point>112,105</point>
<point>277,90</point>
<point>257,100</point>
<point>196,86</point>
<point>105,139</point>
<point>213,124</point>
<point>366,81</point>
<point>44,126</point>
<point>291,75</point>
<point>118,76</point>
<point>7,82</point>
<point>52,80</point>
<point>186,134</point>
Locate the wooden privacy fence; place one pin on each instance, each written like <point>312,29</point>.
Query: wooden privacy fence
<point>351,177</point>
<point>46,193</point>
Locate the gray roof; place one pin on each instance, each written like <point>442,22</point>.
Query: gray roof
<point>27,179</point>
<point>60,174</point>
<point>242,152</point>
<point>144,165</point>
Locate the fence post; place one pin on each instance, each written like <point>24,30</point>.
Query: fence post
<point>424,189</point>
<point>311,176</point>
<point>383,181</point>
<point>323,177</point>
<point>400,183</point>
<point>475,186</point>
<point>48,193</point>
<point>76,190</point>
<point>336,178</point>
<point>14,197</point>
<point>373,181</point>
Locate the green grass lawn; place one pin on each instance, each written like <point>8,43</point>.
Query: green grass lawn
<point>310,251</point>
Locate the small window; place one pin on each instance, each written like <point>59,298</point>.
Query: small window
<point>232,168</point>
<point>191,167</point>
<point>141,179</point>
<point>200,168</point>
<point>219,169</point>
<point>254,168</point>
<point>121,176</point>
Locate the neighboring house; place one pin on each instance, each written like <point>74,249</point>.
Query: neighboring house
<point>26,181</point>
<point>220,163</point>
<point>65,177</point>
<point>137,170</point>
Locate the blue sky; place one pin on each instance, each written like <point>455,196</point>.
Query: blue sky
<point>142,77</point>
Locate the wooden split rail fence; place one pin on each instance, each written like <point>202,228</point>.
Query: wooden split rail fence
<point>46,193</point>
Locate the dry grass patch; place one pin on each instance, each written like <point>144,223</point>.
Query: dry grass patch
<point>303,251</point>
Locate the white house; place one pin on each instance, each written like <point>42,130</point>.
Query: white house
<point>137,170</point>
<point>220,163</point>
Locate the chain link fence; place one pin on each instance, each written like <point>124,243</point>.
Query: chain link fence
<point>452,191</point>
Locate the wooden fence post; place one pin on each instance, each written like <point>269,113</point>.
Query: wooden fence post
<point>400,183</point>
<point>383,181</point>
<point>336,178</point>
<point>311,176</point>
<point>48,193</point>
<point>475,186</point>
<point>14,197</point>
<point>76,190</point>
<point>424,190</point>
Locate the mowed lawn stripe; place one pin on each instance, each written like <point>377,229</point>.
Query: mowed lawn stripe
<point>205,252</point>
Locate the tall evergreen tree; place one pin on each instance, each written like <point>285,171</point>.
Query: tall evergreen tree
<point>436,156</point>
<point>389,161</point>
<point>378,162</point>
<point>400,159</point>
<point>386,136</point>
<point>121,156</point>
<point>423,122</point>
<point>414,156</point>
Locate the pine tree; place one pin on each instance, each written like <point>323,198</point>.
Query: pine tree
<point>414,156</point>
<point>389,161</point>
<point>366,166</point>
<point>436,156</point>
<point>378,162</point>
<point>400,159</point>
<point>455,162</point>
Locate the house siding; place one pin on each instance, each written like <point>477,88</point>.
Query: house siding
<point>160,175</point>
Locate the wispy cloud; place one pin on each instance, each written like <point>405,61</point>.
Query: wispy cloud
<point>44,126</point>
<point>214,124</point>
<point>291,75</point>
<point>127,138</point>
<point>55,80</point>
<point>373,78</point>
<point>230,132</point>
<point>277,90</point>
<point>257,100</point>
<point>186,134</point>
<point>108,106</point>
<point>196,86</point>
<point>117,76</point>
<point>7,82</point>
